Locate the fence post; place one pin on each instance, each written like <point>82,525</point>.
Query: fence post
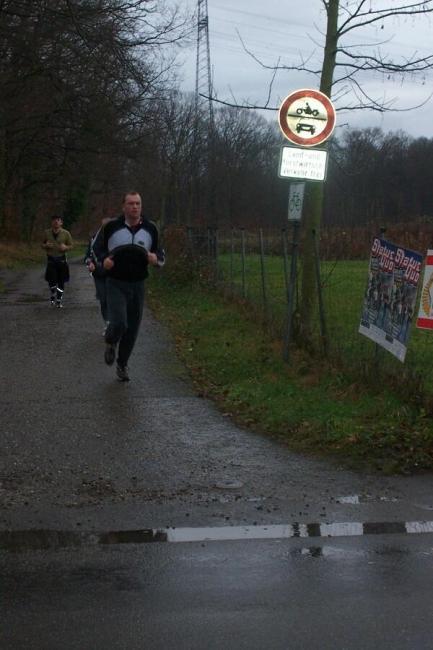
<point>262,267</point>
<point>209,244</point>
<point>191,249</point>
<point>243,262</point>
<point>323,331</point>
<point>285,260</point>
<point>232,251</point>
<point>216,256</point>
<point>291,289</point>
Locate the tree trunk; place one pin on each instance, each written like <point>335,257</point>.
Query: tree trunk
<point>2,183</point>
<point>314,202</point>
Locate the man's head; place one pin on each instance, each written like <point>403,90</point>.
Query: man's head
<point>132,206</point>
<point>56,222</point>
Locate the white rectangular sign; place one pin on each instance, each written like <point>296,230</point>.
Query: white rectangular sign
<point>307,164</point>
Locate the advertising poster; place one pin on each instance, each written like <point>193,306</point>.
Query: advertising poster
<point>389,301</point>
<point>425,313</point>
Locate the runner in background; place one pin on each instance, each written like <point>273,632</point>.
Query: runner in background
<point>57,241</point>
<point>99,275</point>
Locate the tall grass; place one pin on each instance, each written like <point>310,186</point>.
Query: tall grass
<point>343,286</point>
<point>16,255</point>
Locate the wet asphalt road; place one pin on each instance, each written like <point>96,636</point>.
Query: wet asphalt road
<point>85,459</point>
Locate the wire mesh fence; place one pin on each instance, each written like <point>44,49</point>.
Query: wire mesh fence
<point>261,268</point>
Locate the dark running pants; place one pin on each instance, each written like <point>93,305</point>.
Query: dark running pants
<point>56,274</point>
<point>125,301</point>
<point>101,295</point>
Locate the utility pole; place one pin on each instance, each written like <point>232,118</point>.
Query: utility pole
<point>203,148</point>
<point>203,77</point>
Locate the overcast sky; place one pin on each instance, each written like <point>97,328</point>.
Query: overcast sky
<point>290,30</point>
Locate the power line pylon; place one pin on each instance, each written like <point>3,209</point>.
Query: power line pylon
<point>203,77</point>
<point>203,197</point>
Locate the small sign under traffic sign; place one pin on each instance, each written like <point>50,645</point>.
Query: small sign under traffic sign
<point>303,164</point>
<point>296,199</point>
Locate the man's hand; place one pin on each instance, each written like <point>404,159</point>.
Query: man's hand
<point>108,263</point>
<point>48,244</point>
<point>91,267</point>
<point>152,259</point>
<point>63,247</point>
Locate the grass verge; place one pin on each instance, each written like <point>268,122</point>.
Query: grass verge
<point>18,255</point>
<point>310,405</point>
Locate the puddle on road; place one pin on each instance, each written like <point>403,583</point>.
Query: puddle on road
<point>133,536</point>
<point>39,540</point>
<point>228,485</point>
<point>330,552</point>
<point>337,553</point>
<point>33,540</point>
<point>359,499</point>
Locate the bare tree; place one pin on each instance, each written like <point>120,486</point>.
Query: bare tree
<point>78,78</point>
<point>246,149</point>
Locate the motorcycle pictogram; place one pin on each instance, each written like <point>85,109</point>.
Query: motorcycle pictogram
<point>307,110</point>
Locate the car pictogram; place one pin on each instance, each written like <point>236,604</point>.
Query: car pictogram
<point>301,126</point>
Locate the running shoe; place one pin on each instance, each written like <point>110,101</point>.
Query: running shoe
<point>122,372</point>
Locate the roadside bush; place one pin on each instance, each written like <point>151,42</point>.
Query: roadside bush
<point>182,264</point>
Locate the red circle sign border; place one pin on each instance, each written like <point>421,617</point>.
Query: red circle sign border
<point>330,111</point>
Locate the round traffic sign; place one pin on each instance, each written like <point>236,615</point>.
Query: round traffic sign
<point>307,117</point>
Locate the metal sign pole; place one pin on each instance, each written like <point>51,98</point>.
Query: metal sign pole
<point>292,287</point>
<point>296,199</point>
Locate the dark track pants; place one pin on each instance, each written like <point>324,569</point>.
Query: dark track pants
<point>125,301</point>
<point>56,274</point>
<point>101,295</point>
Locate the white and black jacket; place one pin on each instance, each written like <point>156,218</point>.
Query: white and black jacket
<point>128,247</point>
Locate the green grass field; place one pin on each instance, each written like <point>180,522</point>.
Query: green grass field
<point>344,284</point>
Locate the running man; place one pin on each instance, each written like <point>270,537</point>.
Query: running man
<point>99,274</point>
<point>56,242</point>
<point>127,245</point>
